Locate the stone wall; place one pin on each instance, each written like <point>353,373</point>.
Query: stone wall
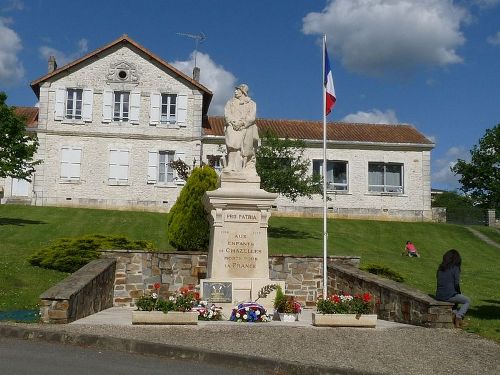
<point>397,302</point>
<point>138,271</point>
<point>85,292</point>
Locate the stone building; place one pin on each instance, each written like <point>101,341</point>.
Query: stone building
<point>110,122</point>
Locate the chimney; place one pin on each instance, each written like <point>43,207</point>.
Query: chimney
<point>196,74</point>
<point>52,64</point>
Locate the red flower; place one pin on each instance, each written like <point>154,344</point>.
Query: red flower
<point>336,298</point>
<point>196,296</point>
<point>367,297</point>
<point>157,285</point>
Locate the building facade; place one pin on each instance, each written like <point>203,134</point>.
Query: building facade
<point>110,123</point>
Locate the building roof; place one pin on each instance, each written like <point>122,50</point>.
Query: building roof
<point>124,39</point>
<point>30,114</point>
<point>336,131</point>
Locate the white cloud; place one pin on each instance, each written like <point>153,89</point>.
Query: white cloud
<point>441,168</point>
<point>213,76</point>
<point>494,39</point>
<point>62,58</point>
<point>375,116</point>
<point>11,69</point>
<point>376,37</point>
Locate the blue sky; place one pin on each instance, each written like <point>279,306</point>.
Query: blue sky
<point>432,63</point>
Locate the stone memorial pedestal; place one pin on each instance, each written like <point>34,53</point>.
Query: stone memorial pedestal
<point>238,262</point>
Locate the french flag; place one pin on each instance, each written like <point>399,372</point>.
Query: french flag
<point>328,83</point>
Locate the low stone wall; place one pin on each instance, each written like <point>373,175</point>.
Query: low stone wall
<point>138,271</point>
<point>85,292</point>
<point>398,302</point>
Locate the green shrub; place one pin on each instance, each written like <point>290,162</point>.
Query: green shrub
<point>188,226</point>
<point>70,254</point>
<point>383,271</point>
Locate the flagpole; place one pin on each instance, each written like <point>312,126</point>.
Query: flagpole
<point>325,211</point>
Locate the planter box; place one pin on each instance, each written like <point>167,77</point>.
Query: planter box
<point>159,317</point>
<point>344,320</point>
<point>288,317</point>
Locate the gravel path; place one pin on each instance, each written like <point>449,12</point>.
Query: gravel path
<point>408,350</point>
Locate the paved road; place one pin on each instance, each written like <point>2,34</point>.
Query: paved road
<point>21,357</point>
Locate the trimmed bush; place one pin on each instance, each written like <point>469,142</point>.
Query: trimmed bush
<point>383,271</point>
<point>70,254</point>
<point>188,226</point>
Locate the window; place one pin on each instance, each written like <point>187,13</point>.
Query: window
<point>165,171</point>
<point>168,108</point>
<point>121,106</point>
<point>336,174</point>
<point>215,161</point>
<point>159,169</point>
<point>70,163</point>
<point>74,104</point>
<point>385,177</point>
<point>118,167</point>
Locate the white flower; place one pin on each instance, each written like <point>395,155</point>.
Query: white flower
<point>247,308</point>
<point>154,295</point>
<point>171,298</point>
<point>257,312</point>
<point>238,315</point>
<point>245,316</point>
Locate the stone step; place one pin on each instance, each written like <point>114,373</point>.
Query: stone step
<point>18,200</point>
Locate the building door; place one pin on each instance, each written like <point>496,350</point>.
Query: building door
<point>20,188</point>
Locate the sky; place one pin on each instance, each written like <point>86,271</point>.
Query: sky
<point>434,64</point>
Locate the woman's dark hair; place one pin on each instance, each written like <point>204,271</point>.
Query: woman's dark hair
<point>450,258</point>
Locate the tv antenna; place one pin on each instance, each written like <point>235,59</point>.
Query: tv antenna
<point>198,38</point>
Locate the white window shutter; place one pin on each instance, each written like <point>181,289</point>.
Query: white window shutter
<point>179,155</point>
<point>107,105</point>
<point>152,167</point>
<point>154,112</point>
<point>59,104</point>
<point>88,102</point>
<point>135,107</point>
<point>181,109</point>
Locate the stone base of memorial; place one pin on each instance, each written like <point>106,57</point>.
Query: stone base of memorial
<point>238,261</point>
<point>159,317</point>
<point>344,320</point>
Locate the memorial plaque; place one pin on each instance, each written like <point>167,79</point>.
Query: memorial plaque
<point>218,292</point>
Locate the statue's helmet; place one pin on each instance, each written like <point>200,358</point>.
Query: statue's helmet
<point>243,88</point>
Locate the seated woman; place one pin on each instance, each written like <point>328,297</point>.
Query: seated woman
<point>448,285</point>
<point>411,250</point>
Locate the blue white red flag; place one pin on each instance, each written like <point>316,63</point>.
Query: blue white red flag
<point>328,83</point>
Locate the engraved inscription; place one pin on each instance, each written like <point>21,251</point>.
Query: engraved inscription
<point>242,217</point>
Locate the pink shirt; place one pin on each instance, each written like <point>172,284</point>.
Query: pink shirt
<point>411,248</point>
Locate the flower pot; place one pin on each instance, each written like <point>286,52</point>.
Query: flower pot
<point>288,317</point>
<point>344,320</point>
<point>159,317</point>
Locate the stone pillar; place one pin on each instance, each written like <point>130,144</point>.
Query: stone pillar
<point>238,251</point>
<point>490,218</point>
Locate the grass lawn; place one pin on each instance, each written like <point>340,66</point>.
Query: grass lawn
<point>24,229</point>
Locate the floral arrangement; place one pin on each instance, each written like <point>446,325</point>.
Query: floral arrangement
<point>249,312</point>
<point>184,300</point>
<point>286,304</point>
<point>345,303</point>
<point>206,312</point>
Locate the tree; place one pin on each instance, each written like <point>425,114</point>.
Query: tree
<point>480,178</point>
<point>451,199</point>
<point>283,169</point>
<point>188,227</point>
<point>17,148</point>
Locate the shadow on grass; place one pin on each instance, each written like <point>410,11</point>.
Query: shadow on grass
<point>18,222</point>
<point>283,232</point>
<point>486,312</point>
<point>491,301</point>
